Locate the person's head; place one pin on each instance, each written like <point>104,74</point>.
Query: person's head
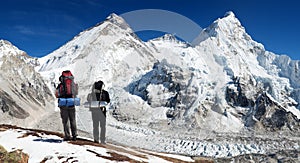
<point>98,86</point>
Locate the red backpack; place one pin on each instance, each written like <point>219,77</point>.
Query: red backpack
<point>67,88</point>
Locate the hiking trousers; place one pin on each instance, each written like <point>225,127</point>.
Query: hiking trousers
<point>99,118</point>
<point>68,117</point>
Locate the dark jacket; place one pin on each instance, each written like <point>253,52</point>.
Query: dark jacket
<point>104,96</point>
<point>95,96</point>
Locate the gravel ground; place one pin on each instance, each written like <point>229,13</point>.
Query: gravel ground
<point>52,122</point>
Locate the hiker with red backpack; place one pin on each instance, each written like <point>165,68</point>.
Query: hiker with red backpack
<point>98,99</point>
<point>66,92</point>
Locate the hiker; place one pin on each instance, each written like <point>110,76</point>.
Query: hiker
<point>98,99</point>
<point>66,91</point>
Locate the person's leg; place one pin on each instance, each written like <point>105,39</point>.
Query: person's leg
<point>103,126</point>
<point>72,117</point>
<point>65,118</point>
<point>96,120</point>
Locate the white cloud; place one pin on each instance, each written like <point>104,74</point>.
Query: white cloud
<point>24,30</point>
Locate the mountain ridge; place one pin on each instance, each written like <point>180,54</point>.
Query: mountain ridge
<point>23,91</point>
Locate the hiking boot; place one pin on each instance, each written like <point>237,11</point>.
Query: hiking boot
<point>74,138</point>
<point>96,141</point>
<point>66,139</point>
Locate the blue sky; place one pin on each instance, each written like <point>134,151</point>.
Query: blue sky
<point>41,26</point>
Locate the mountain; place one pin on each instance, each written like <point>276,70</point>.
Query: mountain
<point>24,94</point>
<point>253,76</point>
<point>110,51</point>
<point>224,96</point>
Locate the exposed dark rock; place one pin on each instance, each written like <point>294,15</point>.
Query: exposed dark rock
<point>269,115</point>
<point>14,156</point>
<point>235,96</point>
<point>10,106</point>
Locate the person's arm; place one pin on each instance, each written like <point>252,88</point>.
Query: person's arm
<point>57,91</point>
<point>106,98</point>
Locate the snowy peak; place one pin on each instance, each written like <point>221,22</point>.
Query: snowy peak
<point>100,37</point>
<point>227,34</point>
<point>227,29</point>
<point>7,48</point>
<point>5,44</point>
<point>229,20</point>
<point>229,13</point>
<point>9,52</point>
<point>228,26</point>
<point>114,18</point>
<point>99,53</point>
<point>117,20</point>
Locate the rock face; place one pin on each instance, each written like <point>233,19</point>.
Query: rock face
<point>162,86</point>
<point>270,116</point>
<point>23,91</point>
<point>14,156</point>
<point>262,111</point>
<point>10,107</point>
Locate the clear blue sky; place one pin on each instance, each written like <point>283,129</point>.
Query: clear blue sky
<point>41,26</point>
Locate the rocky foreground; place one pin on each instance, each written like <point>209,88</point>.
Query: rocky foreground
<point>112,153</point>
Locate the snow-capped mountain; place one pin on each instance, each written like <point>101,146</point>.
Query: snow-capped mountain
<point>100,51</point>
<point>110,52</point>
<point>24,95</point>
<point>173,97</point>
<point>251,74</point>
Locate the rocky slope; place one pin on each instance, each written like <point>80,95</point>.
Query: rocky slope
<point>24,94</point>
